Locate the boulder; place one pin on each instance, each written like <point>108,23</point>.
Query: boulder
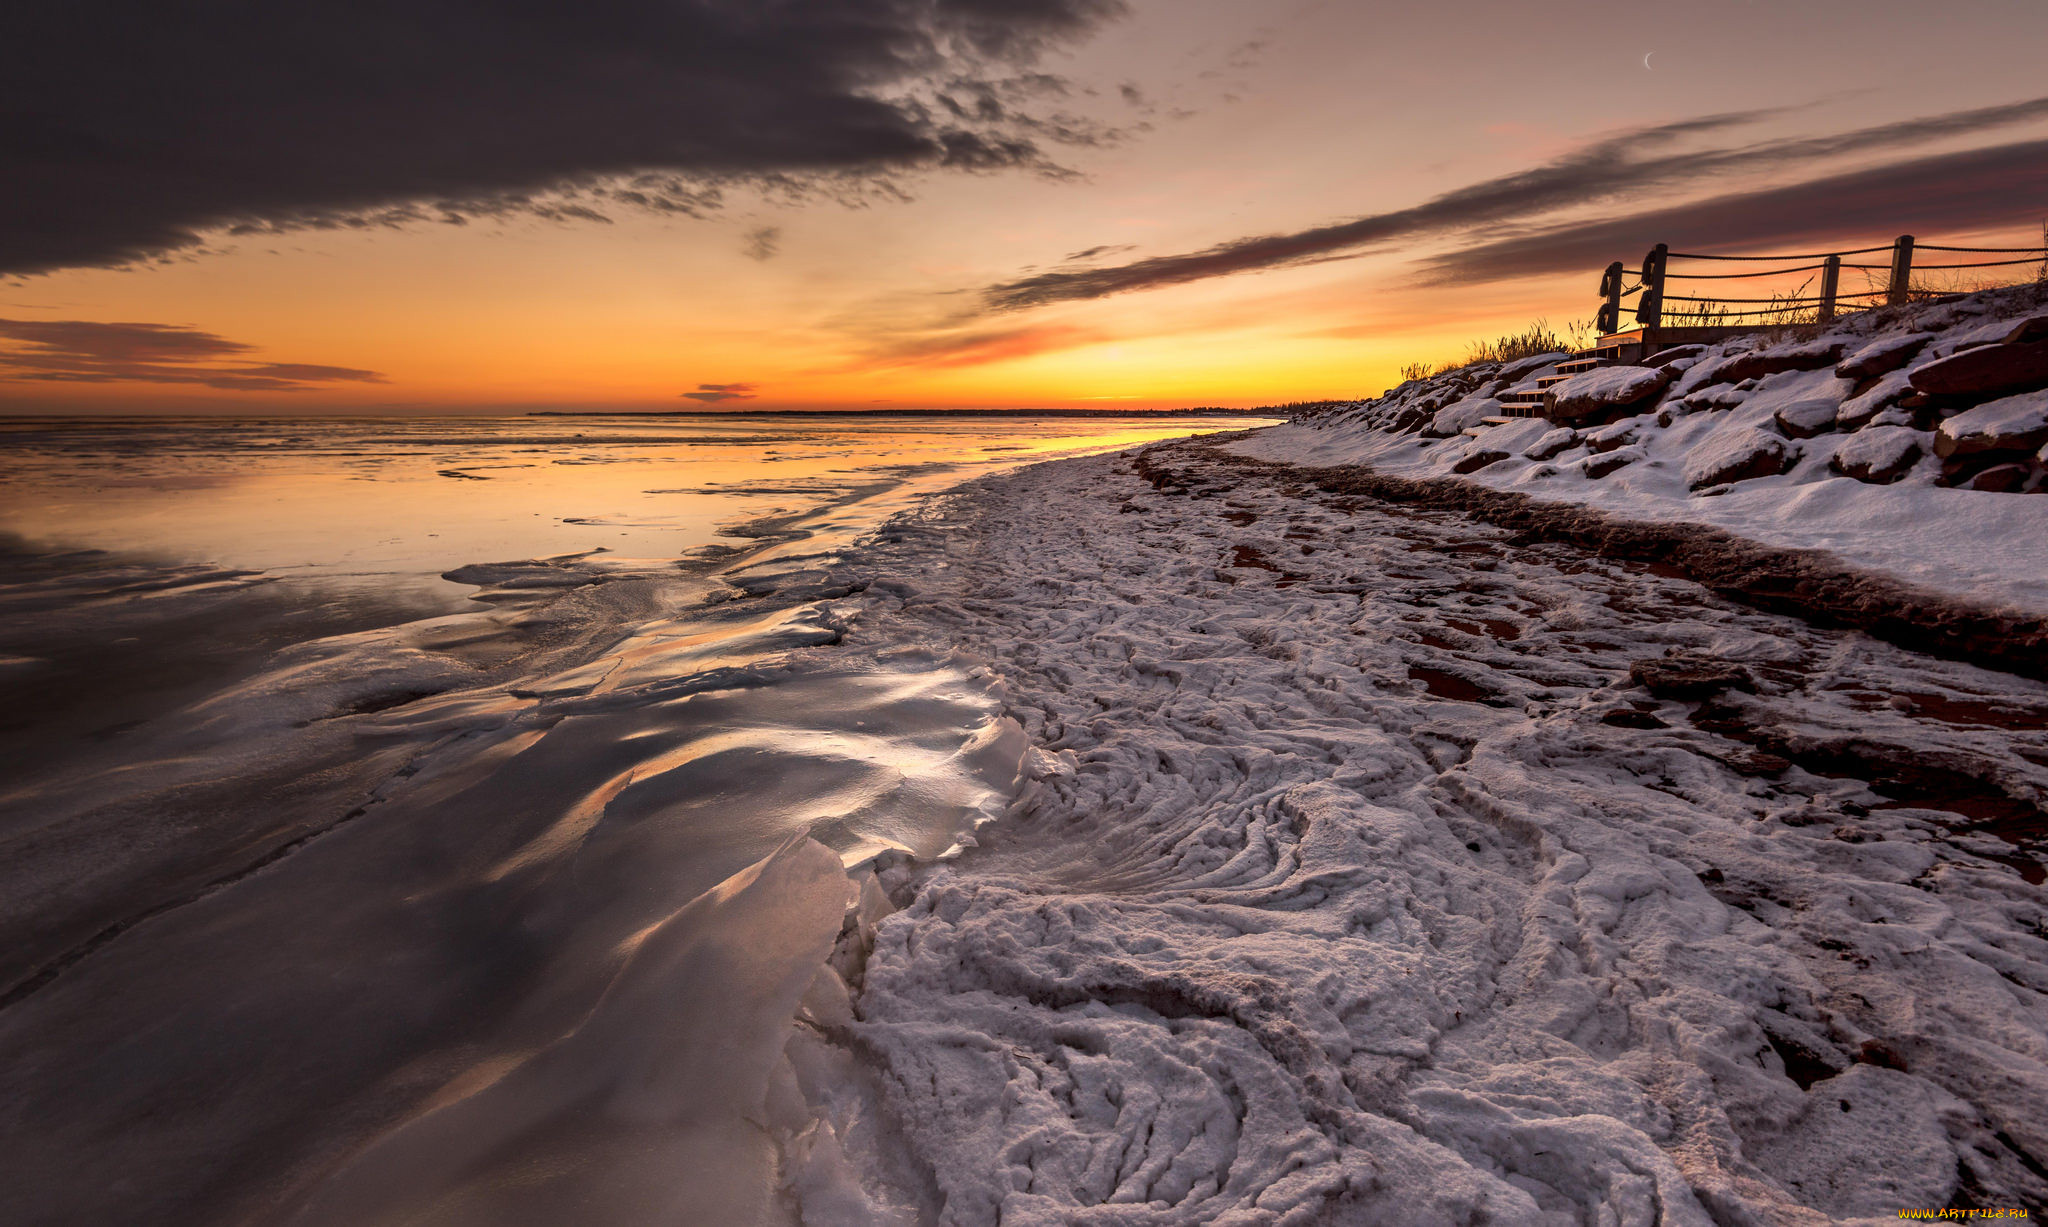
<point>1408,421</point>
<point>1478,459</point>
<point>1665,357</point>
<point>1881,357</point>
<point>1986,370</point>
<point>1738,455</point>
<point>1462,416</point>
<point>1598,393</point>
<point>1530,366</point>
<point>1550,446</point>
<point>1690,675</point>
<point>1880,455</point>
<point>1857,412</point>
<point>2030,331</point>
<point>1810,356</point>
<point>2000,478</point>
<point>1610,438</point>
<point>1803,419</point>
<point>2013,424</point>
<point>1601,466</point>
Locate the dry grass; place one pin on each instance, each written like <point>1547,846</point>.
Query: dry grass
<point>1538,338</point>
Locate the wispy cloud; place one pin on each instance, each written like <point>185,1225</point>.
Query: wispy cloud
<point>762,243</point>
<point>1627,164</point>
<point>1948,192</point>
<point>979,347</point>
<point>80,351</point>
<point>713,393</point>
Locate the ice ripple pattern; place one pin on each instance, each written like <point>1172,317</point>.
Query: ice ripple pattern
<point>1357,884</point>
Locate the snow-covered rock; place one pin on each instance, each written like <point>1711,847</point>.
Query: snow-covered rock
<point>1773,360</point>
<point>1511,436</point>
<point>1880,454</point>
<point>1737,455</point>
<point>1986,370</point>
<point>1859,411</point>
<point>1883,356</point>
<point>1904,514</point>
<point>1608,438</point>
<point>1462,416</point>
<point>2000,478</point>
<point>1591,394</point>
<point>1674,355</point>
<point>1803,419</point>
<point>1610,462</point>
<point>1553,444</point>
<point>1527,368</point>
<point>2013,424</point>
<point>1477,459</point>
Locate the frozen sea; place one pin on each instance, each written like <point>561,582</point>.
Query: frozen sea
<point>349,763</point>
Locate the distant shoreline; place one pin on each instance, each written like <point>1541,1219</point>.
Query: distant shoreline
<point>908,413</point>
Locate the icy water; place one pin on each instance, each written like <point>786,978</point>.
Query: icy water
<point>366,780</point>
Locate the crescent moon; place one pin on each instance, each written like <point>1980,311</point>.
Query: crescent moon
<point>1646,59</point>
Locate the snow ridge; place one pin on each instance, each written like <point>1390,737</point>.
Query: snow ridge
<point>1357,882</point>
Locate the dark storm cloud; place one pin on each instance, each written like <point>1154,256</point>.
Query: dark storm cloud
<point>77,351</point>
<point>1950,192</point>
<point>712,393</point>
<point>127,129</point>
<point>1628,163</point>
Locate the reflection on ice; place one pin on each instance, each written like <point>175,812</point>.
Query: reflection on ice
<point>482,916</point>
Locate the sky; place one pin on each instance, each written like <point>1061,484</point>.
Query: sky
<point>391,206</point>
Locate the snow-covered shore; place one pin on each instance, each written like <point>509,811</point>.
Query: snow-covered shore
<point>1360,879</point>
<point>1809,408</point>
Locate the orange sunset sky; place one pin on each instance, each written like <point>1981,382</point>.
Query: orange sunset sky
<point>1062,203</point>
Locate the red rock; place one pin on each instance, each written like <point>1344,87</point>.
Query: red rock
<point>2010,424</point>
<point>1677,353</point>
<point>1882,357</point>
<point>1596,393</point>
<point>1738,456</point>
<point>1550,446</point>
<point>1478,460</point>
<point>1806,418</point>
<point>1612,438</point>
<point>1880,455</point>
<point>1601,466</point>
<point>1689,675</point>
<point>2029,331</point>
<point>2000,478</point>
<point>1808,357</point>
<point>1986,370</point>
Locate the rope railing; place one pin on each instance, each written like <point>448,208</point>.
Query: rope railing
<point>1825,304</point>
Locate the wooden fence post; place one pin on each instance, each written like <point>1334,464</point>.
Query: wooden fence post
<point>1830,277</point>
<point>1609,319</point>
<point>1650,309</point>
<point>1902,270</point>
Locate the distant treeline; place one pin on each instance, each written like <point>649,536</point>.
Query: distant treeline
<point>1293,408</point>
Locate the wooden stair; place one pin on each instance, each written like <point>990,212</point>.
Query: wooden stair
<point>1536,404</point>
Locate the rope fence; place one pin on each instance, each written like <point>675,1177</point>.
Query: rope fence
<point>1825,305</point>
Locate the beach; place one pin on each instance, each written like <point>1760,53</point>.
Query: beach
<point>1164,835</point>
<point>1355,880</point>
